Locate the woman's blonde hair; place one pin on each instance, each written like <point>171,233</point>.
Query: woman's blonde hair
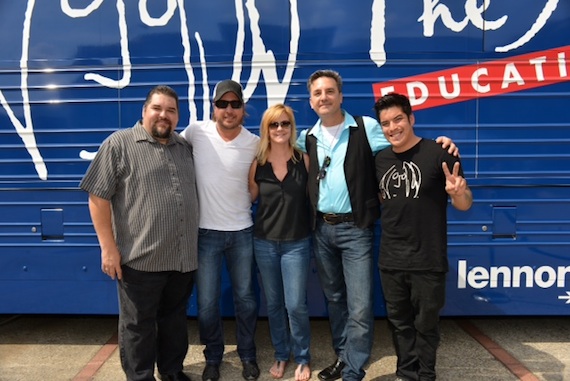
<point>269,116</point>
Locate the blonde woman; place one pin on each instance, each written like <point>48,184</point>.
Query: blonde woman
<point>278,180</point>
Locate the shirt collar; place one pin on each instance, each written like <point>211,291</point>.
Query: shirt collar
<point>140,134</point>
<point>348,121</point>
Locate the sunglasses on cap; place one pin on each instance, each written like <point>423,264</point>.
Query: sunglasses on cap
<point>223,104</point>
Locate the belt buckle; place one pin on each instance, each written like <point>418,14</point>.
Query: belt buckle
<point>330,218</point>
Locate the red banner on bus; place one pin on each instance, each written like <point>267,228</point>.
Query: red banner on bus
<point>481,80</point>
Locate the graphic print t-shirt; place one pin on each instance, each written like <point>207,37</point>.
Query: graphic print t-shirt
<point>414,203</point>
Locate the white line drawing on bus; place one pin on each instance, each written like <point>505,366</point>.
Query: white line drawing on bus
<point>263,60</point>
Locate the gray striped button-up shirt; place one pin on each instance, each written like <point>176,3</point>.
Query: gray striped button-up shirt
<point>152,189</point>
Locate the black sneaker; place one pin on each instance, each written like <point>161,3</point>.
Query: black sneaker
<point>250,370</point>
<point>211,372</point>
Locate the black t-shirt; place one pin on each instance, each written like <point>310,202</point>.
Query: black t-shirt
<point>282,211</point>
<point>414,207</point>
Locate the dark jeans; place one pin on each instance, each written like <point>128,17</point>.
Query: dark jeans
<point>237,249</point>
<point>152,322</point>
<point>413,302</point>
<point>345,263</point>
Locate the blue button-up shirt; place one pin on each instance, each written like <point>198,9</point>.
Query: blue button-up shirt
<point>333,189</point>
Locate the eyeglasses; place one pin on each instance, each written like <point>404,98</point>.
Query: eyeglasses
<point>223,104</point>
<point>323,171</point>
<point>275,125</point>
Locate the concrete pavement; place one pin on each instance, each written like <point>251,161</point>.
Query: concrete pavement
<point>81,348</point>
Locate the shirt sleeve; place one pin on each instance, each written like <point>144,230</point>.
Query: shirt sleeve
<point>187,134</point>
<point>101,176</point>
<point>375,135</point>
<point>450,160</point>
<point>301,141</point>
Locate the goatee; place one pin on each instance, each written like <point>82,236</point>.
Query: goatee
<point>164,134</point>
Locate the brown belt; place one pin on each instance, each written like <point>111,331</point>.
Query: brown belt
<point>335,218</point>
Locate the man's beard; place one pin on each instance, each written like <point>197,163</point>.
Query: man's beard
<point>164,134</point>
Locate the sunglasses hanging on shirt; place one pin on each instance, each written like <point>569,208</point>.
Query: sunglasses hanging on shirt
<point>323,171</point>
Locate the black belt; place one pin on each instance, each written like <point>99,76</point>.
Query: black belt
<point>335,218</point>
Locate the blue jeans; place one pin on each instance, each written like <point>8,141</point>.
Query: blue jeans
<point>237,249</point>
<point>345,264</point>
<point>413,302</point>
<point>153,322</point>
<point>284,268</point>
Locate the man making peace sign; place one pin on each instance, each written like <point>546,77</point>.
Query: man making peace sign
<point>415,182</point>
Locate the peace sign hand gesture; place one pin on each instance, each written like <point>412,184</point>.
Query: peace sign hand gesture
<point>454,184</point>
<point>456,187</point>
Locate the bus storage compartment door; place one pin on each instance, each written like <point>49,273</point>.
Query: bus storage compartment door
<point>52,224</point>
<point>504,222</point>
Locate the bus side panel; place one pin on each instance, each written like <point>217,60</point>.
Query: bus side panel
<point>508,254</point>
<point>49,254</point>
<point>461,65</point>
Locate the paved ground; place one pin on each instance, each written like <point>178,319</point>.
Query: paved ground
<point>81,348</point>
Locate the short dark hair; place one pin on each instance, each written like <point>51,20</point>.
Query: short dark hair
<point>162,89</point>
<point>325,73</point>
<point>393,100</point>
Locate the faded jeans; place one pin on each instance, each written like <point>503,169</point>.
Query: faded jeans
<point>237,249</point>
<point>284,269</point>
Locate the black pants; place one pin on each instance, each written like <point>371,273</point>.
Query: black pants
<point>413,302</point>
<point>152,322</point>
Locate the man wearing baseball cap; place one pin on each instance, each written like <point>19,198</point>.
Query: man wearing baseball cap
<point>223,153</point>
<point>226,86</point>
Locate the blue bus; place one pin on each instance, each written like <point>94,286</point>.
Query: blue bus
<point>492,75</point>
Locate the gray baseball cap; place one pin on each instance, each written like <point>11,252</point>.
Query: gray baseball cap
<point>227,86</point>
